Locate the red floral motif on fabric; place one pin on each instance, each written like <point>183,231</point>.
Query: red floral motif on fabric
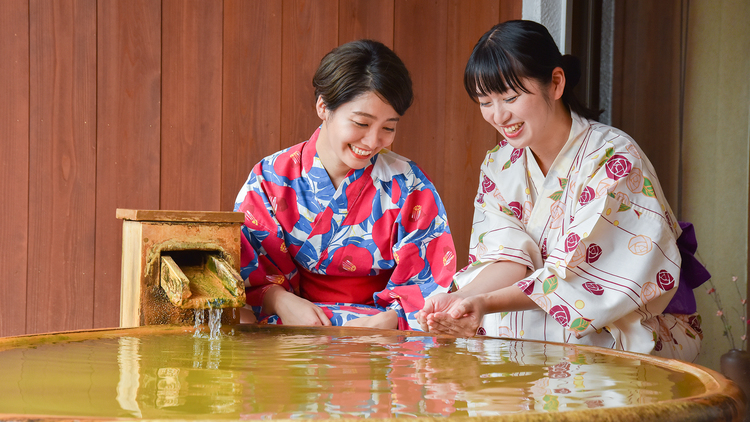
<point>665,280</point>
<point>516,154</point>
<point>593,252</point>
<point>517,209</point>
<point>618,167</point>
<point>487,185</point>
<point>571,242</point>
<point>593,288</point>
<point>587,196</point>
<point>560,314</point>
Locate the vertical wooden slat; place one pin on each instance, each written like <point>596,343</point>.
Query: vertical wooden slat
<point>646,78</point>
<point>14,171</point>
<point>468,136</point>
<point>62,163</point>
<point>191,105</point>
<point>128,125</point>
<point>420,41</point>
<point>310,30</point>
<point>360,19</point>
<point>251,90</point>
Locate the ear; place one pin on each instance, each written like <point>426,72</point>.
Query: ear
<point>557,85</point>
<point>320,107</point>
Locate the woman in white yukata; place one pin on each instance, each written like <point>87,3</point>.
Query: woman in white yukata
<point>573,240</point>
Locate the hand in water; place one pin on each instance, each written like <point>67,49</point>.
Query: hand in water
<point>462,319</point>
<point>387,319</point>
<point>443,302</point>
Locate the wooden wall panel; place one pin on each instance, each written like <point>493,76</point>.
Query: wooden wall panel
<point>420,41</point>
<point>62,163</point>
<point>251,91</point>
<point>310,30</point>
<point>14,171</point>
<point>191,104</point>
<point>646,78</point>
<point>468,136</point>
<point>369,19</point>
<point>128,126</point>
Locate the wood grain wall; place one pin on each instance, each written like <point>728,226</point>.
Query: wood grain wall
<point>167,104</point>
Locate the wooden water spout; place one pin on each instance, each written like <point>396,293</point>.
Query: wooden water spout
<point>174,262</point>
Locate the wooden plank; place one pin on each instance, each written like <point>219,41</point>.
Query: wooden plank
<point>251,91</point>
<point>191,104</point>
<point>468,136</point>
<point>310,30</point>
<point>646,84</point>
<point>369,19</point>
<point>14,172</point>
<point>128,153</point>
<point>420,41</point>
<point>181,216</point>
<point>62,164</point>
<point>130,292</point>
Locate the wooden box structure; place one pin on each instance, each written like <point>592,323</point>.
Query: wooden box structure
<point>174,262</point>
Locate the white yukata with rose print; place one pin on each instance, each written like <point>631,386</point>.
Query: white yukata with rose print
<point>599,238</point>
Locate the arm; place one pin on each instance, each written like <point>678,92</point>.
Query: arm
<point>419,240</point>
<point>267,266</point>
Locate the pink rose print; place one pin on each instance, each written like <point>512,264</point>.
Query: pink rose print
<point>472,259</point>
<point>593,253</point>
<point>516,208</point>
<point>593,288</point>
<point>481,331</point>
<point>587,196</point>
<point>618,167</point>
<point>487,185</point>
<point>480,198</point>
<point>571,242</point>
<point>560,314</point>
<point>527,286</point>
<point>516,154</point>
<point>544,249</point>
<point>665,280</point>
<point>502,142</point>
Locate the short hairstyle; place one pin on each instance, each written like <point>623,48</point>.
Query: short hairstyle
<point>518,49</point>
<point>358,67</point>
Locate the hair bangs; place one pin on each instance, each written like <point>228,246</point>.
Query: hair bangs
<point>491,70</point>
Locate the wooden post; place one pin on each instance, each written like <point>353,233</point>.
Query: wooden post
<point>146,235</point>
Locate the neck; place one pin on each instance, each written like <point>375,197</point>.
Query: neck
<point>337,173</point>
<point>557,135</point>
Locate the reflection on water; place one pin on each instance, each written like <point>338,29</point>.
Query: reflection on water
<point>278,372</point>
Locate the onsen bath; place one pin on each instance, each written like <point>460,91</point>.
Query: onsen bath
<point>276,372</point>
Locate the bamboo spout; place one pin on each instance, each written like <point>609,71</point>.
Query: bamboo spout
<point>196,280</point>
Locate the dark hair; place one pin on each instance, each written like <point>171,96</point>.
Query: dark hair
<point>519,49</point>
<point>357,67</point>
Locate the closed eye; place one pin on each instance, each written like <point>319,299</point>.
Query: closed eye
<point>510,99</point>
<point>359,124</point>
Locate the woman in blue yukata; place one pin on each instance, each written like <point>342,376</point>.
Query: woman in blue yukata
<point>573,240</point>
<point>339,230</point>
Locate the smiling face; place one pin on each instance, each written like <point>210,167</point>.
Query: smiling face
<point>352,134</point>
<point>524,119</point>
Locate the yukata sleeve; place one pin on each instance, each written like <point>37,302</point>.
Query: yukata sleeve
<point>423,250</point>
<point>617,262</point>
<point>499,230</point>
<point>265,259</point>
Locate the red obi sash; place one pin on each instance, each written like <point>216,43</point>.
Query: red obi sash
<point>343,289</point>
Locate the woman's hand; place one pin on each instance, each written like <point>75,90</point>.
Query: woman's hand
<point>461,320</point>
<point>292,309</point>
<point>443,302</point>
<point>387,319</point>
